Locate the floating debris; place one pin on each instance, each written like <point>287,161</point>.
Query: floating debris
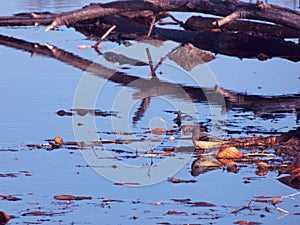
<point>229,153</point>
<point>10,198</point>
<point>72,197</point>
<point>4,218</point>
<point>177,181</point>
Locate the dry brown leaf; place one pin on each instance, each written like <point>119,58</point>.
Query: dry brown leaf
<point>261,172</point>
<point>229,153</point>
<point>58,140</point>
<point>262,165</point>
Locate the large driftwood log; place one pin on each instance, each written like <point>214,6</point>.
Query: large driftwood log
<point>229,9</point>
<point>133,19</point>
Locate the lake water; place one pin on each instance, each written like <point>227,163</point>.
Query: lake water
<point>35,87</point>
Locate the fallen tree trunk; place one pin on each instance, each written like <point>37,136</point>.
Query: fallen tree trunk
<point>229,9</point>
<point>232,44</point>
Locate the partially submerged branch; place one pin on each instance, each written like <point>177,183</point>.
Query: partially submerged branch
<point>230,10</point>
<point>233,9</point>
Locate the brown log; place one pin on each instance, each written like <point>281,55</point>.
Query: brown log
<point>232,44</point>
<point>263,12</point>
<point>231,10</point>
<point>28,19</point>
<point>202,23</point>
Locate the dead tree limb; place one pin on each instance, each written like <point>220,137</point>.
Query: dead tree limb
<point>233,44</point>
<point>229,9</point>
<point>198,23</point>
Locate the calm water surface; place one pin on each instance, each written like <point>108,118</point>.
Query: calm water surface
<point>34,88</point>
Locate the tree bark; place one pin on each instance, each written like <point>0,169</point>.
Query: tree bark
<point>260,11</point>
<point>230,9</point>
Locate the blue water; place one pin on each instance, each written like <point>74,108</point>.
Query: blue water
<point>34,88</point>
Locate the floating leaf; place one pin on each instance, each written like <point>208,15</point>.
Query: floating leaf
<point>247,222</point>
<point>176,180</point>
<point>111,200</point>
<point>185,200</point>
<point>40,213</point>
<point>201,204</point>
<point>173,212</point>
<point>8,175</point>
<point>272,201</point>
<point>10,198</point>
<point>64,113</point>
<point>128,183</point>
<point>72,197</point>
<point>159,131</point>
<point>262,165</point>
<point>229,153</point>
<point>58,140</point>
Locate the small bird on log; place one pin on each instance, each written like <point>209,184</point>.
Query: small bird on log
<point>201,139</point>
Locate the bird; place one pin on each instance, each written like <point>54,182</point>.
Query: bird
<point>201,139</point>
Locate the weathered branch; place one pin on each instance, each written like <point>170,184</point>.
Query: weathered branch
<point>233,44</point>
<point>239,14</point>
<point>254,28</point>
<point>264,12</point>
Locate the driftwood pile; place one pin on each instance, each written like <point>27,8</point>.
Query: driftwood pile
<point>229,34</point>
